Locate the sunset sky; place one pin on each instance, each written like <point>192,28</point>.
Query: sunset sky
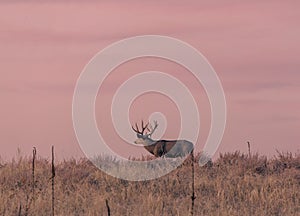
<point>254,47</point>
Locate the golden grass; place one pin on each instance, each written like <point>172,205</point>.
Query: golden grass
<point>235,184</point>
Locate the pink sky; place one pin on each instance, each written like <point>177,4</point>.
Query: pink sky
<point>253,46</point>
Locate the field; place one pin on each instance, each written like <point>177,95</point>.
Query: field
<point>234,184</point>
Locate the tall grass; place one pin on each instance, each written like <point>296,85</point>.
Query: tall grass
<point>235,184</point>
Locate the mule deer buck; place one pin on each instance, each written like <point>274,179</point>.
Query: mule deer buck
<point>159,148</point>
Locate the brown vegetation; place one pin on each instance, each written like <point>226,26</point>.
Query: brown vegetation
<point>235,184</point>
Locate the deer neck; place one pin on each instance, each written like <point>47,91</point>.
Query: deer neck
<point>149,145</point>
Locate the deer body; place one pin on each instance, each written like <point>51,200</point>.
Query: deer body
<point>159,148</point>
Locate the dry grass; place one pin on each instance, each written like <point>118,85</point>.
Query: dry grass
<point>235,184</point>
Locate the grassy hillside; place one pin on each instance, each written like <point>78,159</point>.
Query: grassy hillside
<point>235,184</point>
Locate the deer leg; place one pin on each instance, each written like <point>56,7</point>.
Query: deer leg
<point>164,149</point>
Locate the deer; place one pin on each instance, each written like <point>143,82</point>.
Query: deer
<point>161,148</point>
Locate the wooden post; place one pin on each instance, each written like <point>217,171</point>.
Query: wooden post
<point>193,197</point>
<point>108,208</point>
<point>33,177</point>
<point>249,152</point>
<point>52,177</point>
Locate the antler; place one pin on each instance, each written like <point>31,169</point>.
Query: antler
<point>137,130</point>
<point>152,129</point>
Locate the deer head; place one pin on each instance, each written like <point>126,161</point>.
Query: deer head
<point>144,134</point>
